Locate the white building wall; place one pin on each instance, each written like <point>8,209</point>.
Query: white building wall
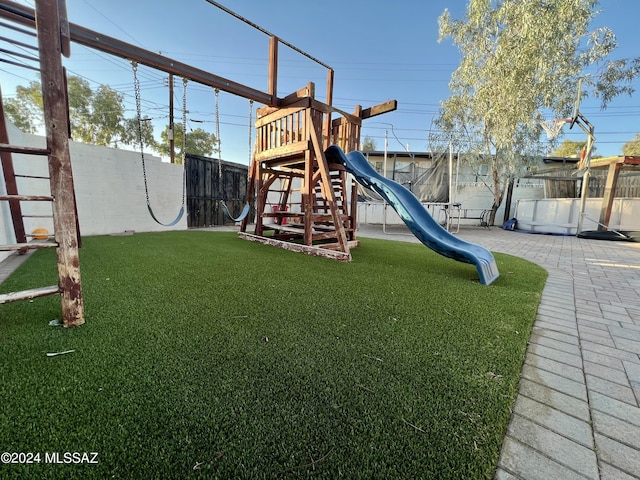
<point>109,187</point>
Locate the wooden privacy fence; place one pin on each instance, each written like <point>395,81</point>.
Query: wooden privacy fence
<point>205,190</point>
<point>564,184</point>
<point>628,185</point>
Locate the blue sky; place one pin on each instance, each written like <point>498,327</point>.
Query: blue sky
<point>380,50</point>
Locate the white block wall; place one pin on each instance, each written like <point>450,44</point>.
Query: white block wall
<point>109,187</point>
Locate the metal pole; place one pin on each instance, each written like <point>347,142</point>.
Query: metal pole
<point>449,197</point>
<point>591,138</point>
<point>384,170</point>
<point>172,147</point>
<point>583,199</point>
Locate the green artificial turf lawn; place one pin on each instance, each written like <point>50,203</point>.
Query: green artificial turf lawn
<point>206,356</point>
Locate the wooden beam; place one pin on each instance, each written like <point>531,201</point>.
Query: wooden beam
<point>609,194</point>
<point>25,16</point>
<point>388,106</point>
<point>296,247</point>
<point>306,92</point>
<point>285,228</point>
<point>292,153</point>
<point>29,294</point>
<point>328,109</point>
<point>27,246</point>
<point>5,147</point>
<point>621,159</point>
<point>27,198</point>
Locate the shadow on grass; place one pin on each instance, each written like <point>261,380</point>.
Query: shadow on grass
<point>206,356</point>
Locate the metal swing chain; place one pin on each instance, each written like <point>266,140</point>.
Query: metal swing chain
<point>218,123</point>
<point>136,89</point>
<point>250,128</point>
<point>217,92</point>
<point>184,119</point>
<point>184,139</point>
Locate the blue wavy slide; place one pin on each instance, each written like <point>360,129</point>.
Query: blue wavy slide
<point>415,216</point>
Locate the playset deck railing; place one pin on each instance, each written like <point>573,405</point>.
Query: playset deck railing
<point>286,131</point>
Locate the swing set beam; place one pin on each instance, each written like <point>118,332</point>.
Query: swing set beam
<point>26,16</point>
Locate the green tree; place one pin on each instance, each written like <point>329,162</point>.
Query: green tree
<point>632,147</point>
<point>569,149</point>
<point>25,110</point>
<point>96,117</point>
<point>520,58</point>
<point>368,144</point>
<point>198,142</point>
<point>132,128</point>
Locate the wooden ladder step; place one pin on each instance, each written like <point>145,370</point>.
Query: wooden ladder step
<point>36,177</point>
<point>28,198</point>
<point>27,246</point>
<point>5,147</point>
<point>29,294</point>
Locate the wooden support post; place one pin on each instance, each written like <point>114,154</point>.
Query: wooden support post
<point>327,124</point>
<point>65,34</point>
<point>354,133</point>
<point>273,70</point>
<point>261,199</point>
<point>60,173</point>
<point>330,77</point>
<point>307,190</point>
<point>354,210</point>
<point>609,194</point>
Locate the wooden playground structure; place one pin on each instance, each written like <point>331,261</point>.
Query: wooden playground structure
<point>292,134</point>
<point>315,209</point>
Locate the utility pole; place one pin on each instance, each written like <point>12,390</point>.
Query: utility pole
<point>171,130</point>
